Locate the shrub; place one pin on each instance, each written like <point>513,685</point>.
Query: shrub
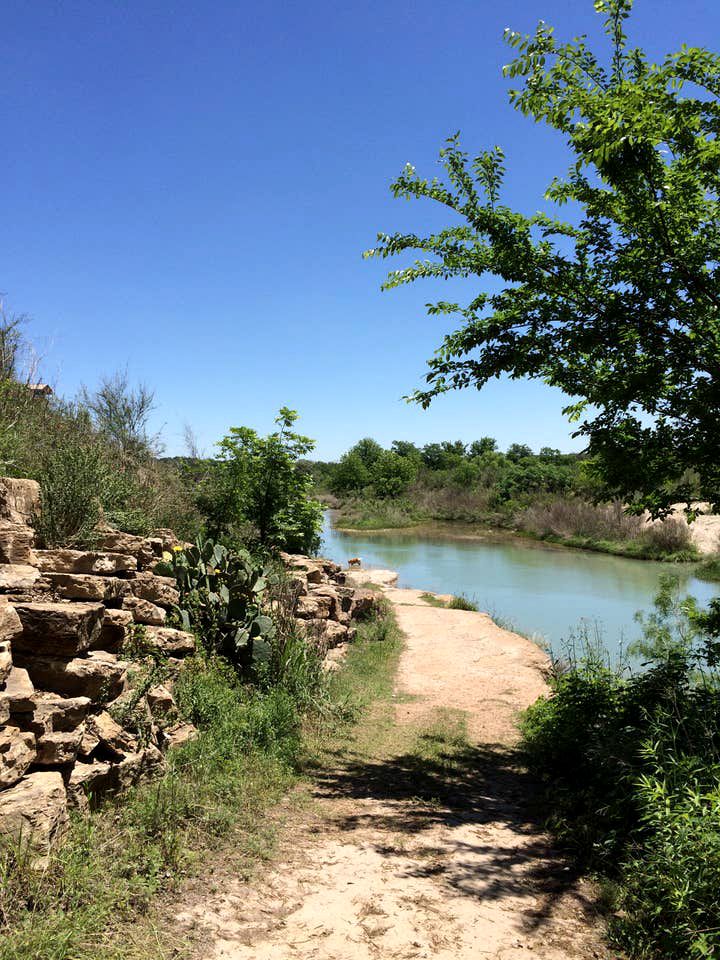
<point>632,768</point>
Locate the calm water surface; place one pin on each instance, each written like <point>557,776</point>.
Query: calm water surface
<point>542,591</point>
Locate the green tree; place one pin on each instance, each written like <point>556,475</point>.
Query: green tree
<point>617,305</point>
<point>392,473</point>
<point>350,475</point>
<point>368,450</point>
<point>478,448</point>
<point>260,486</point>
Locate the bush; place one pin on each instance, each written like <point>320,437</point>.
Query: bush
<point>462,603</point>
<point>632,768</point>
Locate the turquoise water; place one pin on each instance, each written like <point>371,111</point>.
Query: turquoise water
<point>542,591</point>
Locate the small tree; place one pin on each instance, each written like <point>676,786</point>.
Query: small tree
<point>262,487</point>
<point>618,305</point>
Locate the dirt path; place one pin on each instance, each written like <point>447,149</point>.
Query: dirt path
<point>424,845</point>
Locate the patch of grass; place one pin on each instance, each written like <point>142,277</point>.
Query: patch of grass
<point>709,570</point>
<point>462,603</point>
<point>433,600</point>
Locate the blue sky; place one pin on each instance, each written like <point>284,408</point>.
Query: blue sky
<point>187,189</point>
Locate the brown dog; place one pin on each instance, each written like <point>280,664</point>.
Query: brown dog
<point>354,562</point>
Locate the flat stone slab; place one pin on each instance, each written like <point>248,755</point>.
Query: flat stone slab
<point>17,577</point>
<point>10,624</point>
<point>99,675</point>
<point>57,629</point>
<point>358,576</point>
<point>174,643</point>
<point>83,561</point>
<point>87,586</point>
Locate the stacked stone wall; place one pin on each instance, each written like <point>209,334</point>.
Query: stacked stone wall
<point>72,725</point>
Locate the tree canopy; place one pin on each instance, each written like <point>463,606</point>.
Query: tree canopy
<point>617,304</point>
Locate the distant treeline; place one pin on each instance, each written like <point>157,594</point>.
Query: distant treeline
<point>549,494</point>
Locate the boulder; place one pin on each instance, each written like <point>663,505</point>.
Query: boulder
<point>87,586</point>
<point>115,630</point>
<point>34,812</point>
<point>171,642</point>
<point>159,590</point>
<point>58,629</point>
<point>81,561</point>
<point>99,675</point>
<point>101,731</point>
<point>88,782</point>
<point>16,543</point>
<point>19,500</point>
<point>58,749</point>
<point>115,541</point>
<point>17,752</point>
<point>310,569</point>
<point>364,603</point>
<point>178,734</point>
<point>60,713</point>
<point>328,595</point>
<point>19,691</point>
<point>160,701</point>
<point>328,633</point>
<point>313,607</point>
<point>18,577</point>
<point>145,612</point>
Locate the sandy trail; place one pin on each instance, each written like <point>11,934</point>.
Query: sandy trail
<point>401,858</point>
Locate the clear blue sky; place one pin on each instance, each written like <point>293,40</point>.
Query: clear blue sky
<point>187,189</point>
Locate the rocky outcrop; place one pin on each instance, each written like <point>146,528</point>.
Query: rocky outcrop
<point>72,727</point>
<point>77,630</point>
<point>324,603</point>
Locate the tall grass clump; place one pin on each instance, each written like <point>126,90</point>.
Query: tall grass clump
<point>631,764</point>
<point>607,525</point>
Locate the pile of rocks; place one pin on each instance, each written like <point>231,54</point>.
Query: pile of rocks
<point>71,722</point>
<point>325,602</point>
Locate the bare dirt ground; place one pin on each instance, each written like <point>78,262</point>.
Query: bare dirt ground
<point>411,855</point>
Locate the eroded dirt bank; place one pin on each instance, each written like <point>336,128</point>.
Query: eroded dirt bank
<point>422,840</point>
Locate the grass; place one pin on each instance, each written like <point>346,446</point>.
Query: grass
<point>460,602</point>
<point>433,600</point>
<point>97,896</point>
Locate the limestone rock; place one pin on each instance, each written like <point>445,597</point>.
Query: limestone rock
<point>312,570</point>
<point>159,590</point>
<point>34,811</point>
<point>104,732</point>
<point>59,629</point>
<point>327,595</point>
<point>5,660</point>
<point>60,713</point>
<point>88,782</point>
<point>19,691</point>
<point>179,734</point>
<point>19,500</point>
<point>18,577</point>
<point>81,561</point>
<point>17,752</point>
<point>160,701</point>
<point>10,626</point>
<point>16,542</point>
<point>59,748</point>
<point>99,675</point>
<point>364,603</point>
<point>114,630</point>
<point>116,541</point>
<point>173,643</point>
<point>88,586</point>
<point>312,607</point>
<point>328,633</point>
<point>145,612</point>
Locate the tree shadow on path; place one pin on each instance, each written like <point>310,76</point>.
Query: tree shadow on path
<point>498,849</point>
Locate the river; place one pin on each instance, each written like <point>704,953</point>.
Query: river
<point>546,592</point>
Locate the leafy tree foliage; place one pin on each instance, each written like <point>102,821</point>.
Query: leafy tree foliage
<point>258,485</point>
<point>617,304</point>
